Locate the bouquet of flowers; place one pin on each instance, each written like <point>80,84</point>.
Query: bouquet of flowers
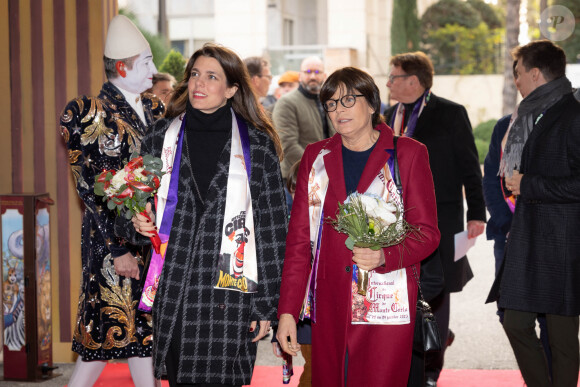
<point>369,221</point>
<point>128,189</point>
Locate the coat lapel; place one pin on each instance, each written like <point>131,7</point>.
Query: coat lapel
<point>426,116</point>
<point>334,168</point>
<point>547,120</point>
<point>545,123</point>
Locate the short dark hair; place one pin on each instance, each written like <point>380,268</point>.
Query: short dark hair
<point>544,55</point>
<point>161,77</point>
<point>418,64</point>
<point>351,79</point>
<point>111,69</point>
<point>255,65</point>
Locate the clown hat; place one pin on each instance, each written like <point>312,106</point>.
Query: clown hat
<point>124,40</point>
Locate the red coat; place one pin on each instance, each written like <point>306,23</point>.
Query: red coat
<point>378,355</point>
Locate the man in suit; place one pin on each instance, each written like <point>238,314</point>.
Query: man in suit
<point>443,126</point>
<point>299,117</point>
<point>541,167</point>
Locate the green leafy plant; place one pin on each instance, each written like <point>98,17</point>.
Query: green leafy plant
<point>174,64</point>
<point>571,45</point>
<point>482,134</point>
<point>404,27</point>
<point>455,49</point>
<point>463,37</point>
<point>489,15</point>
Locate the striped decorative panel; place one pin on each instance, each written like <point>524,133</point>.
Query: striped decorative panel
<point>50,52</point>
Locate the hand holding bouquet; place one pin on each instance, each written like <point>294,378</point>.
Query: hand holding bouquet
<point>371,222</point>
<point>128,189</point>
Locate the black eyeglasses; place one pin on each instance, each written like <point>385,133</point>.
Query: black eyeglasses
<point>347,101</point>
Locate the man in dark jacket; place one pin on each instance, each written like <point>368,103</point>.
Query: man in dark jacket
<point>501,212</point>
<point>541,166</point>
<point>299,116</point>
<point>443,126</point>
<point>500,219</point>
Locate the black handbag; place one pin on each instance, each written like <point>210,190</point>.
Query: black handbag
<point>426,337</point>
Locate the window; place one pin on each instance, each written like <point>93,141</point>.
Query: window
<point>178,45</point>
<point>288,32</point>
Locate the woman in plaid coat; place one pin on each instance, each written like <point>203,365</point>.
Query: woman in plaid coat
<point>205,331</point>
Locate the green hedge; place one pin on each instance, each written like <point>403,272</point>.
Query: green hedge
<point>174,64</point>
<point>455,49</point>
<point>482,134</point>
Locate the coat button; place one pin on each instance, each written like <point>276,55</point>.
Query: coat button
<point>222,306</point>
<point>347,269</point>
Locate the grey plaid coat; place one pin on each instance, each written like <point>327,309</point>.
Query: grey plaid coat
<point>214,338</point>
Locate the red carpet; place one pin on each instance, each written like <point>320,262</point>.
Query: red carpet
<point>117,374</point>
<point>479,378</point>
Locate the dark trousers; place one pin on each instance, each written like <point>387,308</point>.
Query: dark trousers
<point>171,362</point>
<point>417,373</point>
<point>520,328</point>
<point>498,253</point>
<point>434,360</point>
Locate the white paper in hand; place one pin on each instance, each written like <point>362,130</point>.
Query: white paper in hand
<point>462,244</point>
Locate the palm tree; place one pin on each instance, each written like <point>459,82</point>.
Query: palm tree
<point>512,29</point>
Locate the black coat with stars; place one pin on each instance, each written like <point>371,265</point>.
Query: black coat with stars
<point>100,132</point>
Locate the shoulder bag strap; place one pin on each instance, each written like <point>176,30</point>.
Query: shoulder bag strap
<point>397,176</point>
<point>399,185</point>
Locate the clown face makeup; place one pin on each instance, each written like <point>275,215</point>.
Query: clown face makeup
<point>139,78</point>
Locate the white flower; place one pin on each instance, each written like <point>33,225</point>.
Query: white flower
<point>139,176</point>
<point>386,214</point>
<point>378,209</point>
<point>383,213</point>
<point>118,180</point>
<point>369,203</point>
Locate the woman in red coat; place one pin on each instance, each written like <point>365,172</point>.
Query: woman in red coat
<point>356,158</point>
